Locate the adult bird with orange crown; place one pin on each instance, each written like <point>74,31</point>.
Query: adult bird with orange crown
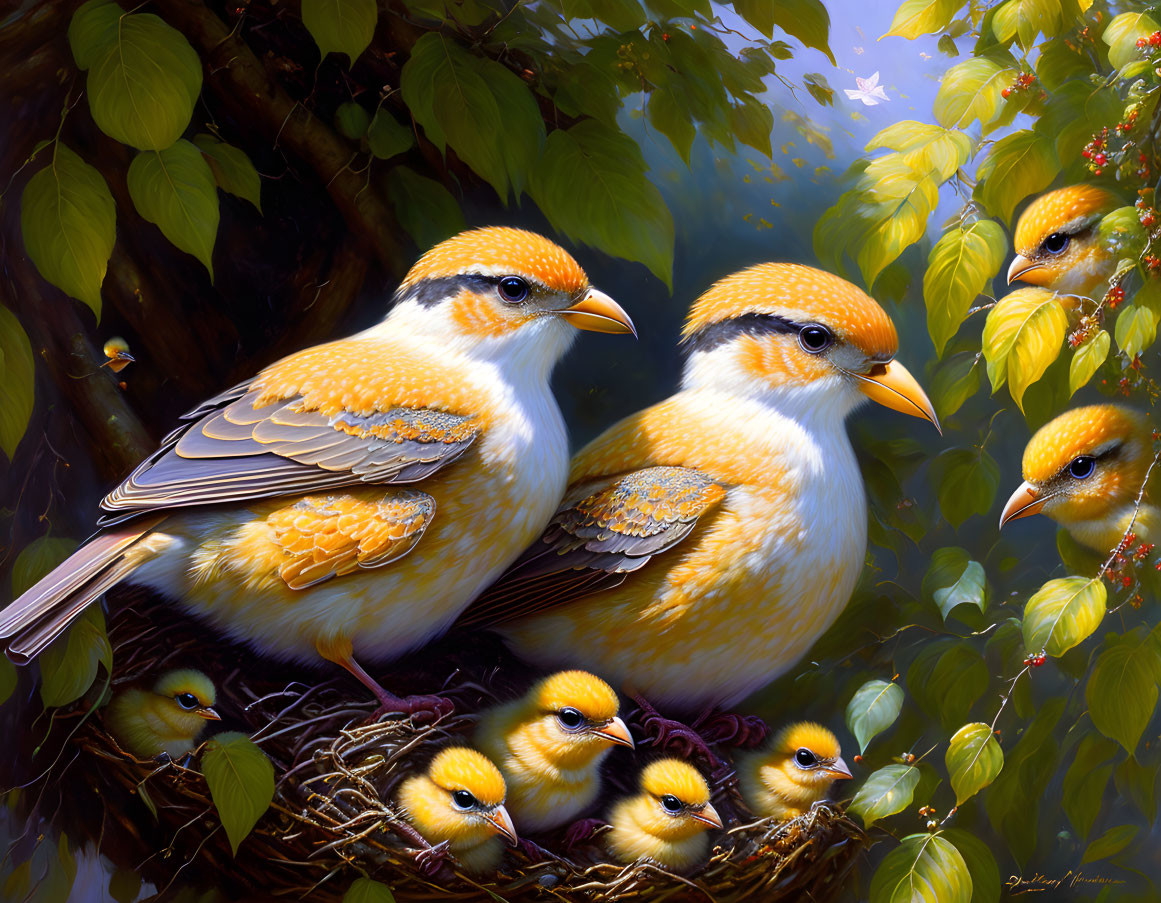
<point>350,500</point>
<point>707,541</point>
<point>1060,244</point>
<point>1085,469</point>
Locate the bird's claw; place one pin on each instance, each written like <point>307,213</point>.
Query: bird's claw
<point>733,730</point>
<point>670,735</point>
<point>581,832</point>
<point>420,709</point>
<point>431,860</point>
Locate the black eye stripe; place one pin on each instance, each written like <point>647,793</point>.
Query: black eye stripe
<point>429,292</point>
<point>715,334</point>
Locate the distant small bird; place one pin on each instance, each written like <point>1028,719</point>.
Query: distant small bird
<point>667,821</point>
<point>794,772</point>
<point>459,801</point>
<point>549,744</point>
<point>1084,469</point>
<point>168,718</point>
<point>1059,243</point>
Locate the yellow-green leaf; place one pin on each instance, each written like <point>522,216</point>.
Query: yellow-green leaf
<point>970,91</point>
<point>1085,781</point>
<point>1063,612</point>
<point>1017,165</point>
<point>1022,337</point>
<point>93,30</point>
<point>924,868</point>
<point>873,709</point>
<point>342,26</point>
<point>925,148</point>
<point>1087,359</point>
<point>885,792</point>
<point>69,224</point>
<point>241,782</point>
<point>920,17</point>
<point>1024,19</point>
<point>1136,329</point>
<point>68,667</point>
<point>368,890</point>
<point>956,380</point>
<point>1122,33</point>
<point>1122,690</point>
<point>232,169</point>
<point>1110,843</point>
<point>901,202</point>
<point>959,268</point>
<point>38,558</point>
<point>973,760</point>
<point>17,382</point>
<point>387,136</point>
<point>175,190</point>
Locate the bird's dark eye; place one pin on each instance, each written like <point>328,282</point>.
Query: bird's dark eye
<point>186,700</point>
<point>1082,467</point>
<point>464,800</point>
<point>570,719</point>
<point>670,803</point>
<point>1055,243</point>
<point>805,758</point>
<point>512,289</point>
<point>814,338</point>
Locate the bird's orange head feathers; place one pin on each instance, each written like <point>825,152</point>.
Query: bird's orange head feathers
<point>1059,210</point>
<point>186,681</point>
<point>807,735</point>
<point>672,777</point>
<point>460,768</point>
<point>579,690</point>
<point>1056,239</point>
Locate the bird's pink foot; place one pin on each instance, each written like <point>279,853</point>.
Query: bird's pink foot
<point>432,860</point>
<point>581,832</point>
<point>420,708</point>
<point>670,735</point>
<point>732,730</point>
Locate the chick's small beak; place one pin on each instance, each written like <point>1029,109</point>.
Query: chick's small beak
<point>597,312</point>
<point>1027,271</point>
<point>1025,501</point>
<point>892,386</point>
<point>615,731</point>
<point>708,814</point>
<point>838,770</point>
<point>208,713</point>
<point>502,822</point>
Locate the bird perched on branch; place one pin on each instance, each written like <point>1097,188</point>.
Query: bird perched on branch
<point>459,801</point>
<point>794,772</point>
<point>706,542</point>
<point>351,499</point>
<point>1059,241</point>
<point>1085,469</point>
<point>667,821</point>
<point>168,718</point>
<point>550,744</point>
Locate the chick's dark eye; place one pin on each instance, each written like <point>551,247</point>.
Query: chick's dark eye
<point>1055,243</point>
<point>1082,467</point>
<point>186,700</point>
<point>464,799</point>
<point>671,803</point>
<point>805,758</point>
<point>814,338</point>
<point>512,289</point>
<point>570,718</point>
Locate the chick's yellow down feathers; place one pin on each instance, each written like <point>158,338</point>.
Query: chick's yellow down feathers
<point>351,499</point>
<point>550,743</point>
<point>167,718</point>
<point>794,771</point>
<point>459,800</point>
<point>666,822</point>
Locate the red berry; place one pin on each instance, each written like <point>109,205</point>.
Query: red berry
<point>1005,92</point>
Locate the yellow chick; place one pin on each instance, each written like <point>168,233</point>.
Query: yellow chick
<point>793,773</point>
<point>549,745</point>
<point>459,801</point>
<point>666,822</point>
<point>1084,469</point>
<point>168,718</point>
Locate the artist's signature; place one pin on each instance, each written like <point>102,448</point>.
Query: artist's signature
<point>1038,883</point>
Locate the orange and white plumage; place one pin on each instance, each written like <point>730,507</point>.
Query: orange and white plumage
<point>706,542</point>
<point>1057,243</point>
<point>550,743</point>
<point>1085,469</point>
<point>276,512</point>
<point>667,821</point>
<point>793,772</point>
<point>459,800</point>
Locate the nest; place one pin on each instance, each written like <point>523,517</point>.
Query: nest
<point>333,817</point>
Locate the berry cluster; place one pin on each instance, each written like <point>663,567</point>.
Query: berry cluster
<point>1035,661</point>
<point>1085,327</point>
<point>1149,44</point>
<point>1146,213</point>
<point>1023,82</point>
<point>1096,151</point>
<point>1115,297</point>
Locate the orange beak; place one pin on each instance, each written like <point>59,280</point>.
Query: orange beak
<point>1028,271</point>
<point>838,770</point>
<point>597,312</point>
<point>892,386</point>
<point>1025,501</point>
<point>208,713</point>
<point>615,732</point>
<point>707,814</point>
<point>502,822</point>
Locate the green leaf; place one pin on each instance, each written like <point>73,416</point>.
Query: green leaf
<point>125,885</point>
<point>956,380</point>
<point>175,190</point>
<point>1122,690</point>
<point>920,17</point>
<point>1122,33</point>
<point>924,147</point>
<point>241,782</point>
<point>1085,782</point>
<point>1110,843</point>
<point>352,120</point>
<point>924,868</point>
<point>1024,19</point>
<point>1087,359</point>
<point>1063,613</point>
<point>38,558</point>
<point>873,709</point>
<point>969,589</point>
<point>669,114</point>
<point>981,864</point>
<point>619,211</point>
<point>342,26</point>
<point>966,481</point>
<point>424,207</point>
<point>17,382</point>
<point>946,679</point>
<point>973,760</point>
<point>806,20</point>
<point>885,792</point>
<point>387,136</point>
<point>960,267</point>
<point>1016,166</point>
<point>232,169</point>
<point>68,667</point>
<point>142,91</point>
<point>898,214</point>
<point>970,91</point>
<point>69,225</point>
<point>8,679</point>
<point>753,122</point>
<point>1137,782</point>
<point>367,890</point>
<point>1136,329</point>
<point>93,30</point>
<point>1023,335</point>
